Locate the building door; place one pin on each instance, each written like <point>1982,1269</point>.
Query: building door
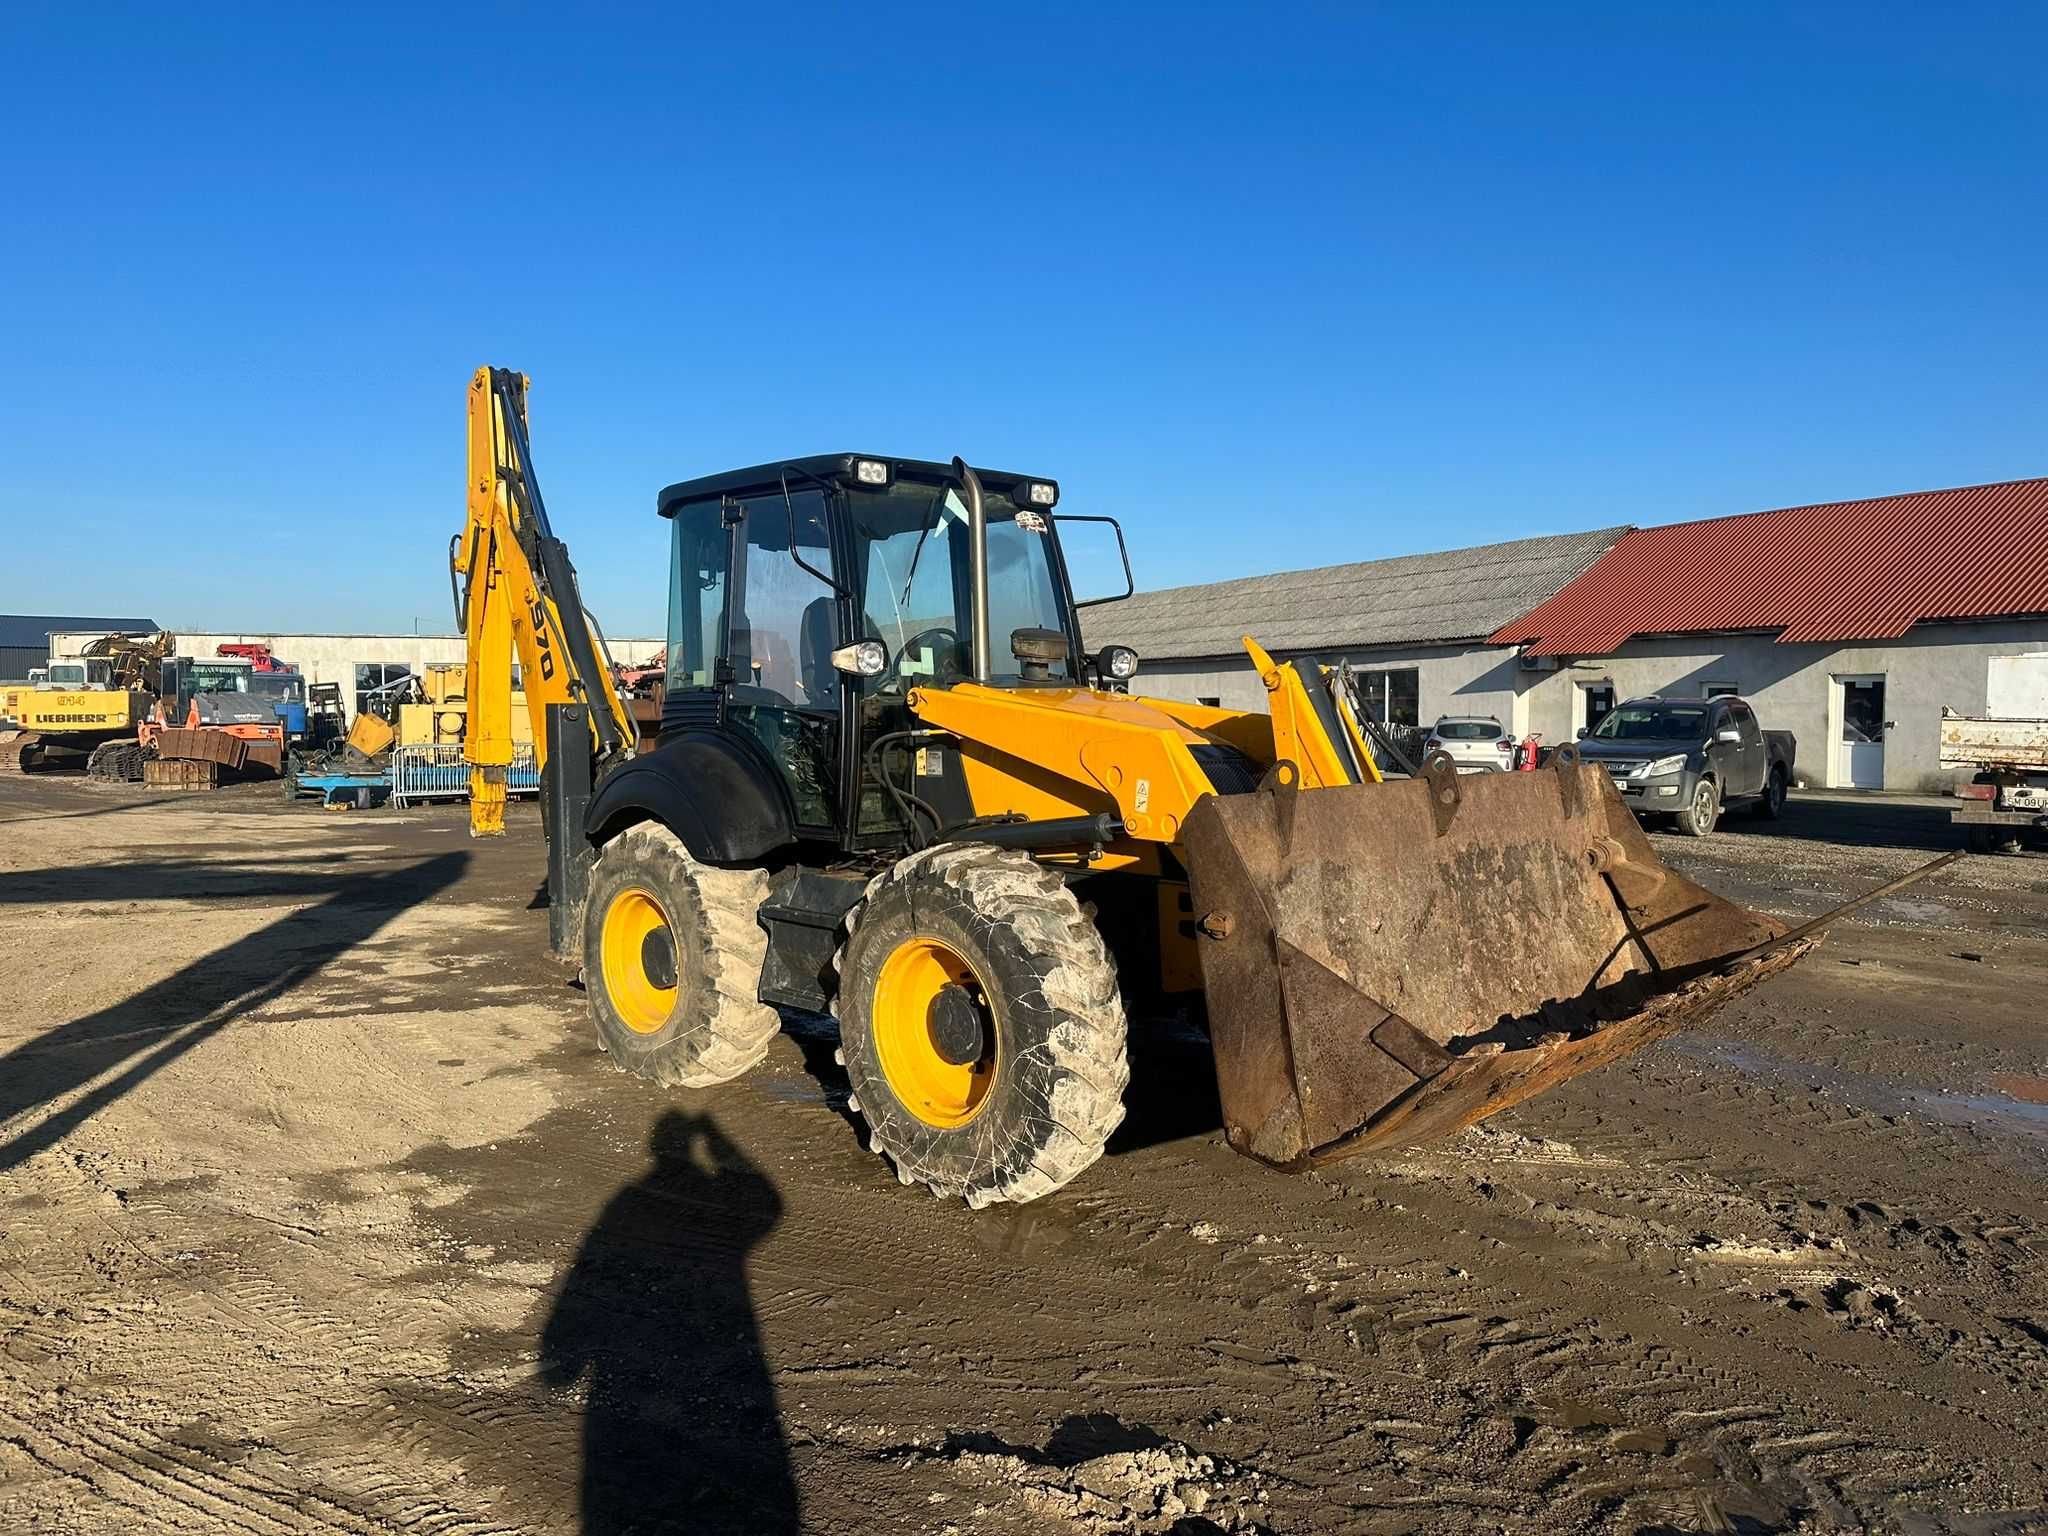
<point>1859,749</point>
<point>1596,702</point>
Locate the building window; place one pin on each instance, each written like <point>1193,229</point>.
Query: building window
<point>1213,701</point>
<point>1719,690</point>
<point>1392,695</point>
<point>1597,700</point>
<point>376,685</point>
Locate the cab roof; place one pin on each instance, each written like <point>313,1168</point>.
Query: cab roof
<point>835,467</point>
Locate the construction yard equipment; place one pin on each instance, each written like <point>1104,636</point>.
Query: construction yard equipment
<point>82,711</point>
<point>891,784</point>
<point>67,727</point>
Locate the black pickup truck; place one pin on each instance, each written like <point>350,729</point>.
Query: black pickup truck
<point>1687,758</point>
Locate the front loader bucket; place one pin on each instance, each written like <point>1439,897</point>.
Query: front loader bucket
<point>1389,963</point>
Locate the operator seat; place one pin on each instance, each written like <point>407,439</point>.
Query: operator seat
<point>817,638</point>
<point>762,659</point>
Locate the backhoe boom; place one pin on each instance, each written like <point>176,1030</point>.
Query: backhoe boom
<point>516,595</point>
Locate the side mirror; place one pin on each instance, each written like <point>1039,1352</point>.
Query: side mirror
<point>1728,733</point>
<point>1585,731</point>
<point>1122,550</point>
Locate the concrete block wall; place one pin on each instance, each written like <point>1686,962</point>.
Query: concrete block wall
<point>1450,680</point>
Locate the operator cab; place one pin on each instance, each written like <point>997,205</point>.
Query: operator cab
<point>80,674</point>
<point>807,598</point>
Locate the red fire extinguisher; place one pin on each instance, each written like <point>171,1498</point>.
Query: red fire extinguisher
<point>1531,750</point>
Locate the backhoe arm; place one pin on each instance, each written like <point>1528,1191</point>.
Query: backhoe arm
<point>516,595</point>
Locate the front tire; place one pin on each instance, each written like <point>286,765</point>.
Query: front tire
<point>672,954</point>
<point>980,1025</point>
<point>1698,818</point>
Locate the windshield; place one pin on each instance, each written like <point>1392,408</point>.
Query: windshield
<point>1467,730</point>
<point>218,677</point>
<point>1653,722</point>
<point>278,685</point>
<point>914,582</point>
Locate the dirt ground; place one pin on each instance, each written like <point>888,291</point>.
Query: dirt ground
<point>319,1212</point>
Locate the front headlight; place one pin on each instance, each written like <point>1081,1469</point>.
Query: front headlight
<point>1117,661</point>
<point>1663,765</point>
<point>863,658</point>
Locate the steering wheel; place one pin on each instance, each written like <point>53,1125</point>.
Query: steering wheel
<point>947,654</point>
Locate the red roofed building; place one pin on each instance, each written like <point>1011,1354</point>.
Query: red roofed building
<point>1851,624</point>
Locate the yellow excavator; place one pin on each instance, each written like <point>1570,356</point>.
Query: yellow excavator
<point>85,709</point>
<point>891,785</point>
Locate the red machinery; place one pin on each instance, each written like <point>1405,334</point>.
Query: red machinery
<point>261,657</point>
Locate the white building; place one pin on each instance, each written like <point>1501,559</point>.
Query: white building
<point>1851,624</point>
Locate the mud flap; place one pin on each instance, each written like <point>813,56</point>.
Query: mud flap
<point>1388,963</point>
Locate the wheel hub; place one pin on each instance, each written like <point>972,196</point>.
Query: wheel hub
<point>658,957</point>
<point>935,1039</point>
<point>638,965</point>
<point>958,1033</point>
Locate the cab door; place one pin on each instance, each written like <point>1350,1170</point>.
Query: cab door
<point>781,627</point>
<point>752,627</point>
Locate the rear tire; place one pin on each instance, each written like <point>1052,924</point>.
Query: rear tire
<point>672,954</point>
<point>1698,818</point>
<point>1770,805</point>
<point>981,1025</point>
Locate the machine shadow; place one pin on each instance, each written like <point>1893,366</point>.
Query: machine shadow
<point>144,1033</point>
<point>1172,1093</point>
<point>198,879</point>
<point>681,1432</point>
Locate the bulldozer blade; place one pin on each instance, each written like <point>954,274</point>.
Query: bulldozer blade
<point>1386,964</point>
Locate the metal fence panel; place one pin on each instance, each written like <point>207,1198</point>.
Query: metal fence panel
<point>437,772</point>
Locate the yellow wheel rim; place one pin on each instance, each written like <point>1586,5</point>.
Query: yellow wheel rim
<point>938,1091</point>
<point>639,961</point>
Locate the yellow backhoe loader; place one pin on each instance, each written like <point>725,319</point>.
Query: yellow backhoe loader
<point>890,784</point>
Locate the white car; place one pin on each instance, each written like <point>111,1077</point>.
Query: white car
<point>1476,743</point>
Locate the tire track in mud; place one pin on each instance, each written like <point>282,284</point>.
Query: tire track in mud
<point>1573,1327</point>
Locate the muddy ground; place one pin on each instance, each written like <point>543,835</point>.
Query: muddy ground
<point>321,1214</point>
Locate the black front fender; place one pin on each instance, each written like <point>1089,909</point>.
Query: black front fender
<point>713,789</point>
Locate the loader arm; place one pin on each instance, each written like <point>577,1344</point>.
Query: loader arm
<point>516,595</point>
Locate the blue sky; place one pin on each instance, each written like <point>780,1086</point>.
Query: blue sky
<point>1278,286</point>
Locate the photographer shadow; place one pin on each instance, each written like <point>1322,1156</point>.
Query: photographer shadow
<point>680,1429</point>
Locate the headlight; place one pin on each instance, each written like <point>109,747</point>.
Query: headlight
<point>1117,661</point>
<point>1039,493</point>
<point>871,471</point>
<point>864,658</point>
<point>1662,766</point>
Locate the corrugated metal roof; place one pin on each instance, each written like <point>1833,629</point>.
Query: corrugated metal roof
<point>1413,599</point>
<point>1847,570</point>
<point>35,629</point>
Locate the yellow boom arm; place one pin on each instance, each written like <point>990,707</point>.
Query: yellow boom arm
<point>516,595</point>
